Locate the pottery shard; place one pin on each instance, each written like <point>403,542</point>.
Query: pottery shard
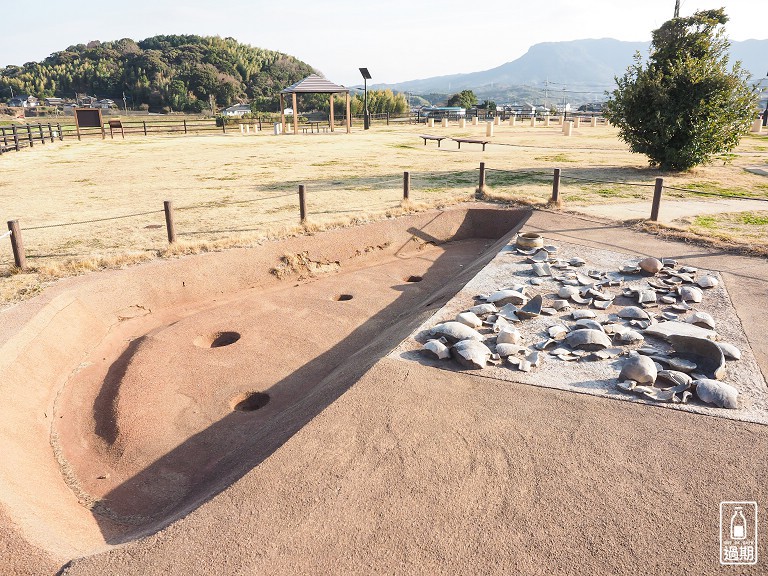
<point>470,319</point>
<point>730,351</point>
<point>501,297</point>
<point>707,354</point>
<point>504,350</point>
<point>588,340</point>
<point>509,335</point>
<point>483,309</point>
<point>651,265</point>
<point>437,349</point>
<point>455,332</point>
<point>666,330</point>
<point>471,354</point>
<point>640,369</point>
<point>717,393</point>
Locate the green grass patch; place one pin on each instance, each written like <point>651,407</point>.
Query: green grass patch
<point>712,188</point>
<point>753,219</point>
<point>555,158</point>
<point>705,222</point>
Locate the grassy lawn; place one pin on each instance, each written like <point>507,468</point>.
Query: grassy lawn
<point>234,190</point>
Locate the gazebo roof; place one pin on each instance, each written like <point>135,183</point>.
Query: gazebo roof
<point>314,84</point>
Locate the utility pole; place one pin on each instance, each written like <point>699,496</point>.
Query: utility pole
<point>677,8</point>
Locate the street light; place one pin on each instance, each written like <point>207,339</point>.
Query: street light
<point>366,77</point>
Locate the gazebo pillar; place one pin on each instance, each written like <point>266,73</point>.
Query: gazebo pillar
<point>332,122</point>
<point>349,125</point>
<point>295,115</point>
<point>282,111</point>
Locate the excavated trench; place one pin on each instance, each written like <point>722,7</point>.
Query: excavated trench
<point>135,420</point>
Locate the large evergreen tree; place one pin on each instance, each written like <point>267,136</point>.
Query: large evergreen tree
<point>685,106</point>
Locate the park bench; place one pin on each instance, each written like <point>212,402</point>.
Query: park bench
<point>430,137</point>
<point>470,141</point>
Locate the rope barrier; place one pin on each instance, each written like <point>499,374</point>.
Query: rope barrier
<point>718,194</point>
<point>607,181</point>
<point>92,221</point>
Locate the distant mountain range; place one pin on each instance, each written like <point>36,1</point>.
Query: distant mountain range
<point>578,70</point>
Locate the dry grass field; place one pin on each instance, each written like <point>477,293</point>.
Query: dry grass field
<point>95,204</point>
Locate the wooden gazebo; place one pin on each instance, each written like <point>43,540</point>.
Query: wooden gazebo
<point>312,84</point>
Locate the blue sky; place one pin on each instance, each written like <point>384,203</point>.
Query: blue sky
<point>398,40</point>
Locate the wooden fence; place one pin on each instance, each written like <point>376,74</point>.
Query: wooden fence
<point>17,137</point>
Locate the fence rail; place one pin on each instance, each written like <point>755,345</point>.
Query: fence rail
<point>18,137</point>
<point>303,204</point>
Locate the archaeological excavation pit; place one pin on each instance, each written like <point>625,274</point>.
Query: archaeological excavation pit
<point>141,418</point>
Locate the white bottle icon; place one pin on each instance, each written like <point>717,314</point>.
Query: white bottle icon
<point>738,525</point>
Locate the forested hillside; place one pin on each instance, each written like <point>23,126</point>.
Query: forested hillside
<point>171,72</point>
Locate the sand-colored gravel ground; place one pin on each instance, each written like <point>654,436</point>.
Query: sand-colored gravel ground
<point>118,421</point>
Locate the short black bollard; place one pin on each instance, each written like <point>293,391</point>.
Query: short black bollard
<point>302,204</point>
<point>406,185</point>
<point>19,259</point>
<point>168,208</point>
<point>556,188</point>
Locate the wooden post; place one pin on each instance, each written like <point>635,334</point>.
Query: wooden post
<point>40,129</point>
<point>29,136</point>
<point>406,185</point>
<point>331,118</point>
<point>61,134</point>
<point>657,189</point>
<point>15,137</point>
<point>295,113</point>
<point>302,202</point>
<point>556,188</point>
<point>5,138</point>
<point>223,124</point>
<point>50,132</point>
<point>168,207</point>
<point>349,116</point>
<point>144,122</point>
<point>387,118</point>
<point>481,184</point>
<point>185,125</point>
<point>18,246</point>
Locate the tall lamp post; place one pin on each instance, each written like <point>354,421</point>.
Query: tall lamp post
<point>366,77</point>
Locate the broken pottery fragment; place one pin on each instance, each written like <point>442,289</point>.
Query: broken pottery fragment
<point>509,335</point>
<point>588,324</point>
<point>639,368</point>
<point>626,385</point>
<point>543,345</point>
<point>540,256</point>
<point>602,304</point>
<point>471,354</point>
<point>469,319</point>
<point>633,312</point>
<point>588,340</point>
<point>437,349</point>
<point>577,262</point>
<point>674,379</point>
<point>535,281</point>
<point>581,314</point>
<point>509,312</point>
<point>501,297</point>
<point>701,319</point>
<point>706,354</point>
<point>560,304</point>
<point>546,311</point>
<point>717,393</point>
<point>666,330</point>
<point>628,337</point>
<point>557,332</point>
<point>455,332</point>
<point>707,281</point>
<point>542,269</point>
<point>483,309</point>
<point>505,349</point>
<point>730,351</point>
<point>567,291</point>
<point>531,309</point>
<point>691,294</point>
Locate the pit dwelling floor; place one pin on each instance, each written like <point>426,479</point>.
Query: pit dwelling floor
<point>387,466</point>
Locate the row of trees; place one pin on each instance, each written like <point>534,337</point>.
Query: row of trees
<point>179,72</point>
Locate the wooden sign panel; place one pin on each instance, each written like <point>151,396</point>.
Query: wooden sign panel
<point>89,118</point>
